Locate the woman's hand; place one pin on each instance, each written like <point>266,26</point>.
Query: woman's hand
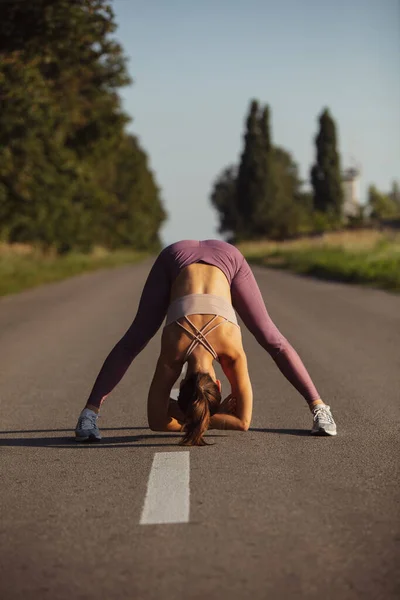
<point>228,406</point>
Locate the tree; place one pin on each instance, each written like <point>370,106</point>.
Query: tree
<point>250,180</point>
<point>325,174</point>
<point>267,206</point>
<point>63,148</point>
<point>287,209</point>
<point>395,195</point>
<point>263,197</point>
<point>381,206</point>
<point>223,198</point>
<point>256,190</point>
<point>138,212</point>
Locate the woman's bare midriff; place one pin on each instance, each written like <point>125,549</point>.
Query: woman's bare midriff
<point>200,278</point>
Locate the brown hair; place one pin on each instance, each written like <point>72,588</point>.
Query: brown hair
<point>199,399</point>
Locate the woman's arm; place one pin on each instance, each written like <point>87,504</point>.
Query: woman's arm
<point>174,411</point>
<point>237,373</point>
<point>222,421</point>
<point>158,403</point>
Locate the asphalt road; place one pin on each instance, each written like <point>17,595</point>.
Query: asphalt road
<point>274,512</point>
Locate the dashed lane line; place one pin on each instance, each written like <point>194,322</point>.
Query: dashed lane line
<point>168,489</point>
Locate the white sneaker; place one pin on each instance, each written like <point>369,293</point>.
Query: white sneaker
<point>323,420</point>
<point>86,429</point>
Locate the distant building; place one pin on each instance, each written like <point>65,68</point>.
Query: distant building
<point>351,192</point>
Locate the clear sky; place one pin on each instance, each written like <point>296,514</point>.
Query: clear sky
<point>197,63</point>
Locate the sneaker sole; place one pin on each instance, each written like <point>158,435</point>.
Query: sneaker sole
<point>88,439</point>
<point>322,432</point>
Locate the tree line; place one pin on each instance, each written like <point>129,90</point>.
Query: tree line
<point>264,197</point>
<point>384,206</point>
<point>71,177</point>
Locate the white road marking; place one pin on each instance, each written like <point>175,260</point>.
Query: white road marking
<point>174,393</point>
<point>168,494</point>
<point>175,390</point>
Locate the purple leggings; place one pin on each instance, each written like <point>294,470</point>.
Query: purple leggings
<point>246,299</point>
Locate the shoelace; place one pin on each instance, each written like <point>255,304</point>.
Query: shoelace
<point>323,414</point>
<point>82,421</point>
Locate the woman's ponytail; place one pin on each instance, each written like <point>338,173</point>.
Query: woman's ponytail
<point>199,399</point>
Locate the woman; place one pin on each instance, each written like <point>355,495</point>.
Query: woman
<point>197,286</point>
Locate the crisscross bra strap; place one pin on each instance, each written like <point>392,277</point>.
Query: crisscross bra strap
<point>200,336</point>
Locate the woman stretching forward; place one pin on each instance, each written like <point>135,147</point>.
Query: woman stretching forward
<point>197,286</point>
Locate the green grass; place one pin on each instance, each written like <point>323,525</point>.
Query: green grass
<point>368,259</point>
<point>23,267</point>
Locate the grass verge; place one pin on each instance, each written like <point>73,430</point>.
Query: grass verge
<point>368,257</point>
<point>23,267</point>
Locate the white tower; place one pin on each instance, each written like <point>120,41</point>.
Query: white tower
<point>351,191</point>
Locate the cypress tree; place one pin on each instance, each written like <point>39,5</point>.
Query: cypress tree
<point>223,198</point>
<point>261,197</point>
<point>265,131</point>
<point>395,195</point>
<point>325,174</point>
<point>267,205</point>
<point>250,181</point>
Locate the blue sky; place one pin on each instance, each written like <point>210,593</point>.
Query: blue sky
<point>197,63</point>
